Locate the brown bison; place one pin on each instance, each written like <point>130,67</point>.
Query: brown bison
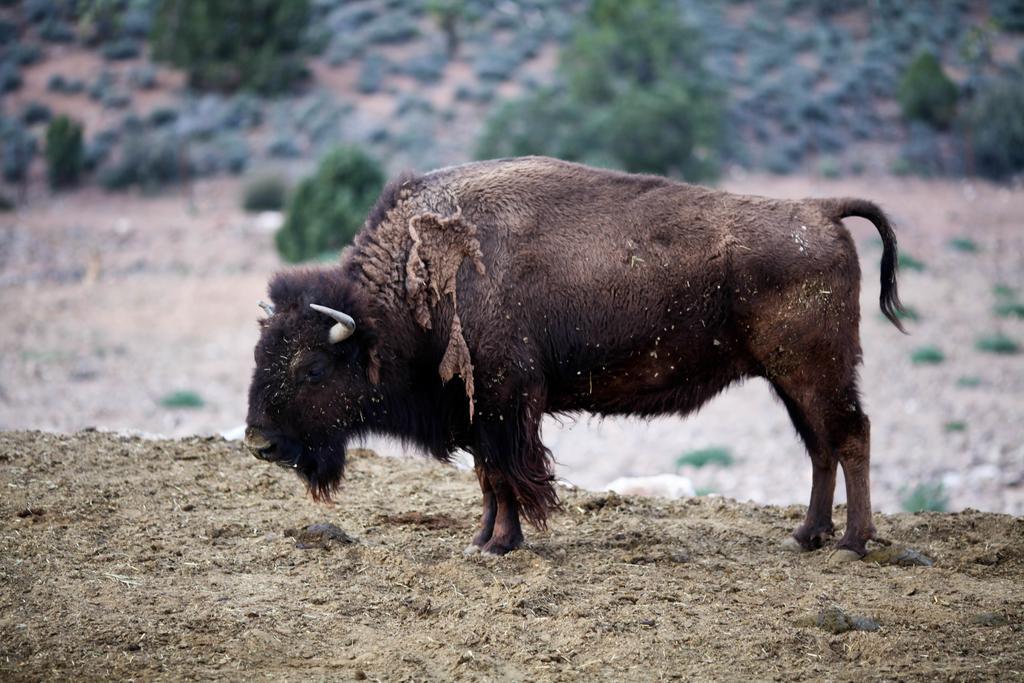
<point>480,297</point>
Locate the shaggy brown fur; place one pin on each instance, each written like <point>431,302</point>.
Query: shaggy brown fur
<point>488,294</point>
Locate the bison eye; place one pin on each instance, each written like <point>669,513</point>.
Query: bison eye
<point>316,373</point>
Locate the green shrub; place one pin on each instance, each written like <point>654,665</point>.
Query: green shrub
<point>327,209</point>
<point>634,94</point>
<point>925,498</point>
<point>705,456</point>
<point>997,343</point>
<point>254,45</point>
<point>968,382</point>
<point>64,152</point>
<point>926,93</point>
<point>927,355</point>
<point>954,426</point>
<point>996,128</point>
<point>184,398</point>
<point>265,193</point>
<point>147,161</point>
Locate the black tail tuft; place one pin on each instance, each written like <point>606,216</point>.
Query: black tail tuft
<point>889,299</point>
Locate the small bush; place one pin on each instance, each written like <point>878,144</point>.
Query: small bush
<point>121,49</point>
<point>964,244</point>
<point>284,147</point>
<point>65,86</point>
<point>968,382</point>
<point>17,149</point>
<point>64,152</point>
<point>146,161</point>
<point>254,45</point>
<point>997,128</point>
<point>265,193</point>
<point>926,93</point>
<point>371,75</point>
<point>162,116</point>
<point>927,355</point>
<point>954,426</point>
<point>997,343</point>
<point>327,209</point>
<point>705,456</point>
<point>143,77</point>
<point>184,398</point>
<point>925,498</point>
<point>10,78</point>
<point>6,203</point>
<point>55,31</point>
<point>35,112</point>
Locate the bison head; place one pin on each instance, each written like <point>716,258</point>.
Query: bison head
<point>310,391</point>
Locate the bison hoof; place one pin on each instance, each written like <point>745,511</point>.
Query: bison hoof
<point>843,556</point>
<point>470,550</point>
<point>497,548</point>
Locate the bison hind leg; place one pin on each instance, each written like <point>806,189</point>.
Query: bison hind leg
<point>828,416</point>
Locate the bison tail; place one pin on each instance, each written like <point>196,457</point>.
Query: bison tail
<point>889,299</point>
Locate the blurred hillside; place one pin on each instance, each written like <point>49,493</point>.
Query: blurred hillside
<point>807,85</point>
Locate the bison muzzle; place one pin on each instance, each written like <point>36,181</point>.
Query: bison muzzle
<point>480,297</point>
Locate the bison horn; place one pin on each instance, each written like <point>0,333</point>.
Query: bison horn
<point>267,308</point>
<point>345,324</point>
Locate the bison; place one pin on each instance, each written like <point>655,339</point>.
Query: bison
<point>479,297</point>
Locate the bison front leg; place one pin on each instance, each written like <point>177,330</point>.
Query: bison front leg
<point>506,533</point>
<point>487,517</point>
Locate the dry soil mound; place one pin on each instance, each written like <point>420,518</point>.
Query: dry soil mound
<point>124,558</point>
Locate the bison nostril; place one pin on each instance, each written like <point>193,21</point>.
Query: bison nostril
<point>266,452</point>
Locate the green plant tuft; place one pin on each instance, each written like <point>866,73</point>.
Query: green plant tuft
<point>955,426</point>
<point>968,382</point>
<point>964,244</point>
<point>1009,309</point>
<point>925,498</point>
<point>705,456</point>
<point>908,262</point>
<point>927,355</point>
<point>184,398</point>
<point>997,343</point>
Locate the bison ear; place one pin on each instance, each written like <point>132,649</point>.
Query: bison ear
<point>344,325</point>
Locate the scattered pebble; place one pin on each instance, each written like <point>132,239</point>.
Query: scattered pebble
<point>835,620</point>
<point>322,535</point>
<point>899,557</point>
<point>989,619</point>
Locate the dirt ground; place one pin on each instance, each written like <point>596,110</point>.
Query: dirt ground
<point>111,302</point>
<point>123,558</point>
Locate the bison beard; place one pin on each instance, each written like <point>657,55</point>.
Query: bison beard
<point>483,296</point>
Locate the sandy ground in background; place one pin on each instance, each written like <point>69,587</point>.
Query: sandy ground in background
<point>112,301</point>
<point>129,559</point>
